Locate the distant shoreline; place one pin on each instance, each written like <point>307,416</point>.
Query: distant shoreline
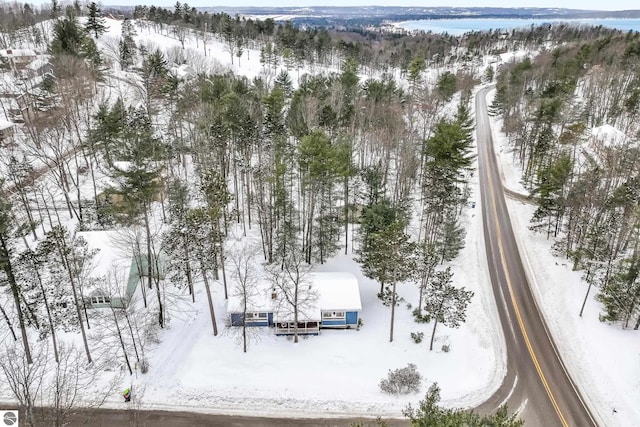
<point>461,25</point>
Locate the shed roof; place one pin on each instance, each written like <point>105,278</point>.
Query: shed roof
<point>36,64</point>
<point>608,135</point>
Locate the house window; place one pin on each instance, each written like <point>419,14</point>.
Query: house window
<point>333,315</point>
<point>100,300</point>
<point>255,317</point>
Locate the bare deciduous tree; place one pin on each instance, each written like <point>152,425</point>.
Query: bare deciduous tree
<point>295,297</point>
<point>245,281</point>
<point>72,388</point>
<point>24,378</point>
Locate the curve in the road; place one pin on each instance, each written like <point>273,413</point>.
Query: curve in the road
<point>537,382</point>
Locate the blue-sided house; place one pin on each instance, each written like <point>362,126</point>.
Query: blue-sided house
<point>332,300</point>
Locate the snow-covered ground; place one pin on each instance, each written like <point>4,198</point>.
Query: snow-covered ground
<point>337,373</point>
<point>334,374</point>
<point>603,359</point>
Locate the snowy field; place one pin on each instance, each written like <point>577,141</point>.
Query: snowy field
<point>603,359</point>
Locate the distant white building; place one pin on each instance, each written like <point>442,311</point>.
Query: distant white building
<point>183,72</point>
<point>38,67</point>
<point>605,137</point>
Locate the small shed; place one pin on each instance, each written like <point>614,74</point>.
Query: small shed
<point>39,67</point>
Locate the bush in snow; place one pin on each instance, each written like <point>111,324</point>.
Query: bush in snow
<point>402,381</point>
<point>417,337</point>
<point>419,317</point>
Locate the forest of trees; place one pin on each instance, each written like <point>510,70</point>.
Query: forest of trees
<point>587,198</point>
<point>350,160</point>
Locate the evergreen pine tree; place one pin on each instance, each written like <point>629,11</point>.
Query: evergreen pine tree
<point>127,45</point>
<point>444,303</point>
<point>96,23</point>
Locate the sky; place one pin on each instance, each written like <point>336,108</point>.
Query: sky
<point>568,4</point>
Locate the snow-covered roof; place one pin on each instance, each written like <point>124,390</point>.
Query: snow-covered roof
<point>261,300</point>
<point>4,124</point>
<point>36,64</point>
<point>14,53</point>
<point>123,165</point>
<point>608,135</point>
<point>337,291</point>
<point>184,71</point>
<point>109,257</point>
<point>334,291</point>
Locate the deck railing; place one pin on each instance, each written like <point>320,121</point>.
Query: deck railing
<point>303,328</point>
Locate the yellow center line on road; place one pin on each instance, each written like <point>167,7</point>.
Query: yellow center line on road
<point>517,309</point>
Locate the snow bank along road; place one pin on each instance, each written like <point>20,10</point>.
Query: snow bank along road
<point>537,382</point>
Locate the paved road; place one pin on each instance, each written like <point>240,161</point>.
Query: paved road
<point>104,417</point>
<point>537,382</point>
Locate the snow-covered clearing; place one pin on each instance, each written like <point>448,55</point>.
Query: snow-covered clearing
<point>603,359</point>
<point>334,374</point>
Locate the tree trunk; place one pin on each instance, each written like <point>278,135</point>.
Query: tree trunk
<point>295,314</point>
<point>211,310</point>
<point>6,266</point>
<point>393,307</point>
<point>244,318</point>
<point>187,268</point>
<point>422,286</point>
<point>346,214</point>
<point>124,348</point>
<point>433,333</point>
<point>160,305</point>
<point>224,273</point>
<point>46,304</point>
<point>147,228</point>
<point>76,302</point>
<point>6,318</point>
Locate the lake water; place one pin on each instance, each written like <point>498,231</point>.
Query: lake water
<point>461,26</point>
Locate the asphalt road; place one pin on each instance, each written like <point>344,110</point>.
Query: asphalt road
<point>105,417</point>
<point>537,382</point>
